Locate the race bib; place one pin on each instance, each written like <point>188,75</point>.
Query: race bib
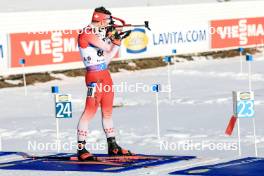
<point>91,89</point>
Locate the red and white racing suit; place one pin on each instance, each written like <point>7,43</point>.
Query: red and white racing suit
<point>97,51</point>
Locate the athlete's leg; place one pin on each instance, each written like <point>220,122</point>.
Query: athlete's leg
<point>107,106</point>
<point>82,129</point>
<point>91,106</point>
<point>92,103</point>
<point>107,120</point>
<point>89,112</point>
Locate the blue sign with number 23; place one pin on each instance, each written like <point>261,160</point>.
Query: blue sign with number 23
<point>245,109</point>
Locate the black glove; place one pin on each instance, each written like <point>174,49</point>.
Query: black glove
<point>125,34</point>
<point>114,36</point>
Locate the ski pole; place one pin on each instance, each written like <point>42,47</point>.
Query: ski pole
<point>168,60</point>
<point>55,90</point>
<point>22,62</point>
<point>156,88</point>
<point>241,50</point>
<point>249,59</point>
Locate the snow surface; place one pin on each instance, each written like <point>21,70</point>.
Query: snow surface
<point>199,111</point>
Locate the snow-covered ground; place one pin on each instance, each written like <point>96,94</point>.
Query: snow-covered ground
<point>198,113</point>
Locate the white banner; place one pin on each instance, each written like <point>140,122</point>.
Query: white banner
<point>163,38</point>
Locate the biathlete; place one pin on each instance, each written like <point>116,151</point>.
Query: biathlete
<point>98,44</point>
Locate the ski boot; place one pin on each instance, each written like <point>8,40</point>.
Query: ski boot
<point>83,154</point>
<point>115,150</point>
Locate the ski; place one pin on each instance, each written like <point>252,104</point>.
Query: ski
<point>102,160</point>
<point>70,160</point>
<point>129,159</point>
<point>97,162</point>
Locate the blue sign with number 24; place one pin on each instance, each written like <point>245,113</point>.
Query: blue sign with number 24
<point>64,110</point>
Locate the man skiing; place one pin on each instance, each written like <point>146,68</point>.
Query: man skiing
<point>98,44</point>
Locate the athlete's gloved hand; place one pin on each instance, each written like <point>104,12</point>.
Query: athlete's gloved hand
<point>114,35</point>
<point>125,34</point>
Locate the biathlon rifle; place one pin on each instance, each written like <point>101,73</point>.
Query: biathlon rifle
<point>123,24</point>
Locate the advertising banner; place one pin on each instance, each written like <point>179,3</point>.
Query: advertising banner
<point>47,48</point>
<point>237,32</point>
<point>160,41</point>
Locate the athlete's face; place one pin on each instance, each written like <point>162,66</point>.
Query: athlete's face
<point>105,22</point>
